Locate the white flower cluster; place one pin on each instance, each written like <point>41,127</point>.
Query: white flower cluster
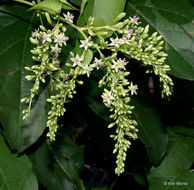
<point>48,48</point>
<point>117,99</point>
<point>128,38</point>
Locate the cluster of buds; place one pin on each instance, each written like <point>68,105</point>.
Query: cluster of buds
<point>116,97</point>
<point>48,47</point>
<point>125,37</point>
<point>63,90</point>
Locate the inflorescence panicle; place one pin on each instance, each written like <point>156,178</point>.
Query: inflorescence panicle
<point>126,37</point>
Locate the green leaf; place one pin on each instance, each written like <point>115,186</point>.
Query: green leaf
<point>14,55</point>
<point>83,3</point>
<point>15,172</point>
<point>67,6</point>
<point>88,57</point>
<point>174,21</point>
<point>175,166</point>
<point>150,127</point>
<point>104,11</point>
<point>76,2</point>
<point>182,130</point>
<point>52,6</point>
<point>57,165</point>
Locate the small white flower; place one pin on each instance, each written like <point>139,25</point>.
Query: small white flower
<point>46,37</point>
<point>76,60</point>
<point>97,63</point>
<point>135,19</point>
<point>115,42</point>
<point>85,44</point>
<point>119,64</point>
<point>35,34</point>
<point>87,70</point>
<point>133,88</point>
<point>61,39</point>
<point>69,17</point>
<point>129,31</point>
<point>125,40</point>
<point>56,50</point>
<point>107,97</point>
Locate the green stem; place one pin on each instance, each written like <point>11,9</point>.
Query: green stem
<point>24,2</point>
<point>98,49</point>
<point>41,21</point>
<point>79,29</point>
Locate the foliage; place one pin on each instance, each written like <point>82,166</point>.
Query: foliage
<point>62,52</point>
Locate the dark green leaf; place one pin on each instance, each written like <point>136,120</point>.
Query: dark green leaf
<point>76,2</point>
<point>150,127</point>
<point>174,21</point>
<point>52,6</point>
<point>182,130</point>
<point>57,165</point>
<point>175,166</point>
<point>83,3</point>
<point>15,172</point>
<point>140,179</point>
<point>105,11</point>
<point>67,6</point>
<point>14,55</point>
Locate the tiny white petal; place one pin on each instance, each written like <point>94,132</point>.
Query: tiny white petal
<point>35,34</point>
<point>135,19</point>
<point>107,97</point>
<point>56,50</point>
<point>119,64</point>
<point>85,44</point>
<point>133,88</point>
<point>115,42</point>
<point>77,60</point>
<point>61,39</point>
<point>87,70</point>
<point>97,63</point>
<point>69,17</point>
<point>46,37</point>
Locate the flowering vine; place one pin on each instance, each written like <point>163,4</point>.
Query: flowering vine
<point>62,77</point>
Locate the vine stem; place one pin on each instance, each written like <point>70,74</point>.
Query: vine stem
<point>24,2</point>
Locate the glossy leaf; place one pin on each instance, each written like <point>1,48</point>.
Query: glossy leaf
<point>174,21</point>
<point>67,6</point>
<point>83,3</point>
<point>175,166</point>
<point>51,6</point>
<point>13,86</point>
<point>76,2</point>
<point>104,11</point>
<point>88,57</point>
<point>15,172</point>
<point>150,126</point>
<point>57,165</point>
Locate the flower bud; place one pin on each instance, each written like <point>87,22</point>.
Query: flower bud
<point>119,17</point>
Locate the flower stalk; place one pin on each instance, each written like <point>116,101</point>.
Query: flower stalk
<point>126,37</point>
